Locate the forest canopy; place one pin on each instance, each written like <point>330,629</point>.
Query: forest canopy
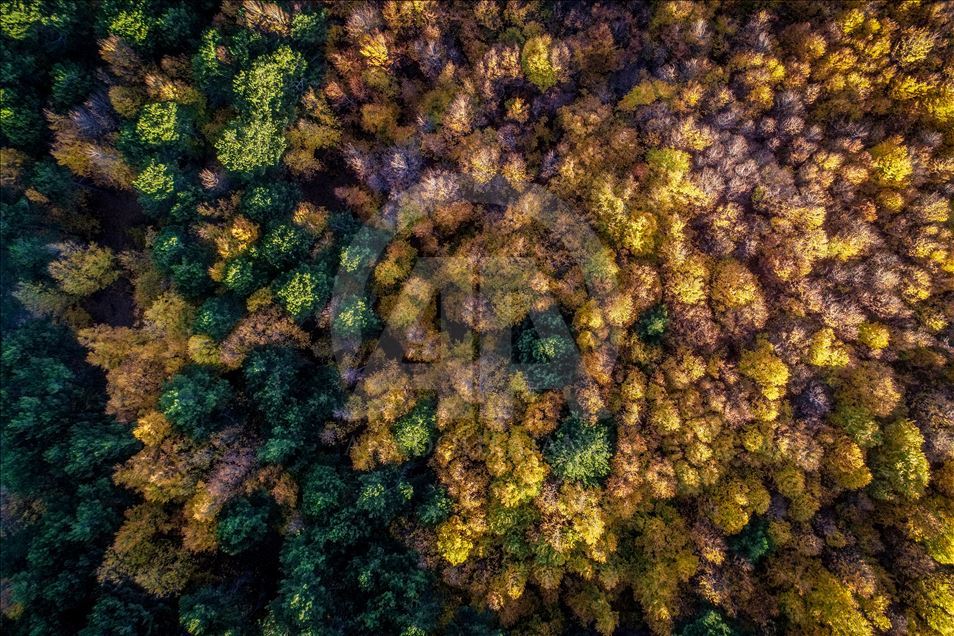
<point>438,317</point>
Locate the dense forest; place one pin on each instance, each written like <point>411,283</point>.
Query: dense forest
<point>447,317</point>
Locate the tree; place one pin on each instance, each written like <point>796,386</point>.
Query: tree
<point>161,124</point>
<point>415,430</point>
<point>214,610</point>
<point>294,397</point>
<point>754,543</point>
<point>57,452</point>
<point>580,452</point>
<point>901,471</point>
<point>536,60</point>
<point>285,245</point>
<point>765,368</point>
<point>265,96</point>
<point>354,317</point>
<point>250,147</point>
<point>243,524</point>
<point>245,273</point>
<point>652,323</point>
<point>71,83</point>
<point>303,291</point>
<point>217,316</point>
<point>265,202</point>
<point>81,271</point>
<point>733,286</point>
<point>194,400</point>
<point>710,623</point>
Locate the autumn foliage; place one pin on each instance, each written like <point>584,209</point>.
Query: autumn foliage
<point>650,326</point>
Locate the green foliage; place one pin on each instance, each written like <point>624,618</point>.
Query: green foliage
<point>243,524</point>
<point>212,610</point>
<point>265,202</point>
<point>186,262</point>
<point>753,543</point>
<point>667,164</point>
<point>190,276</point>
<point>536,348</point>
<point>20,20</point>
<point>265,95</point>
<point>382,495</point>
<point>169,246</point>
<point>285,245</point>
<point>71,83</point>
<point>217,316</point>
<point>56,183</point>
<point>354,317</point>
<point>294,397</point>
<point>580,452</point>
<point>148,24</point>
<point>303,291</point>
<point>324,491</point>
<point>415,430</point>
<point>652,323</point>
<point>536,64</point>
<point>250,147</point>
<point>470,622</point>
<point>244,273</point>
<point>267,88</point>
<point>126,612</point>
<point>355,256</point>
<point>57,450</point>
<point>711,623</point>
<point>353,581</point>
<point>859,424</point>
<point>436,507</point>
<point>210,73</point>
<point>20,123</point>
<point>162,124</point>
<point>901,471</point>
<point>400,595</point>
<point>49,425</point>
<point>132,24</point>
<point>194,400</point>
<point>156,184</point>
<point>309,28</point>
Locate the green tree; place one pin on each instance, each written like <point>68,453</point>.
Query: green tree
<point>652,323</point>
<point>71,83</point>
<point>536,62</point>
<point>251,147</point>
<point>303,291</point>
<point>294,396</point>
<point>217,316</point>
<point>354,317</point>
<point>415,430</point>
<point>580,452</point>
<point>899,466</point>
<point>194,400</point>
<point>57,455</point>
<point>265,97</point>
<point>265,202</point>
<point>245,273</point>
<point>711,623</point>
<point>243,524</point>
<point>753,543</point>
<point>285,245</point>
<point>212,610</point>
